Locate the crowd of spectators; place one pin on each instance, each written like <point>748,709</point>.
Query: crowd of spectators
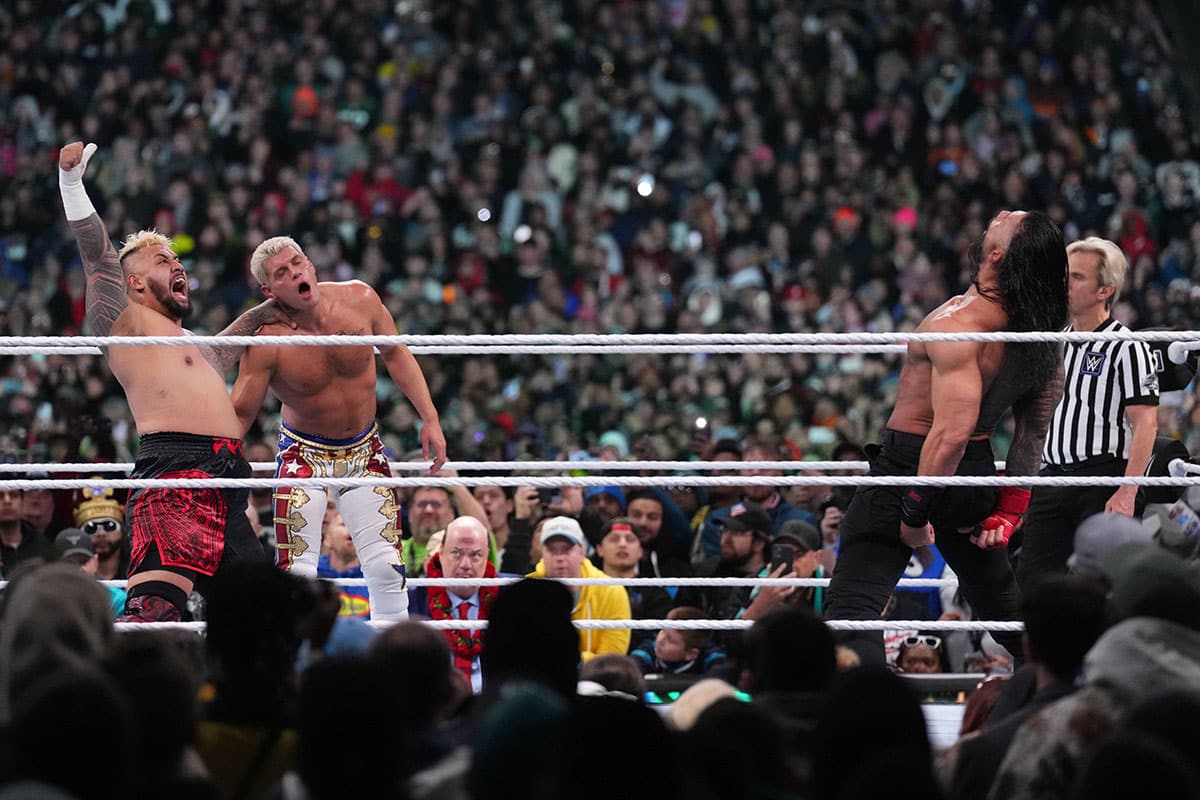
<point>260,706</point>
<point>679,165</point>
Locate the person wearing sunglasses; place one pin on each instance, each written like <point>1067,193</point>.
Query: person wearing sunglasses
<point>101,517</point>
<point>922,654</point>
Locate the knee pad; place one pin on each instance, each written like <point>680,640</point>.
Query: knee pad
<point>156,601</point>
<point>386,586</point>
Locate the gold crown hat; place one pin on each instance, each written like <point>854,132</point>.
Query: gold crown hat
<point>98,504</point>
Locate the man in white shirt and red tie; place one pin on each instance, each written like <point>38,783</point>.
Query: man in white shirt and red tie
<point>464,554</point>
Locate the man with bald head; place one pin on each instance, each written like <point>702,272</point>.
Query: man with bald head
<point>464,555</point>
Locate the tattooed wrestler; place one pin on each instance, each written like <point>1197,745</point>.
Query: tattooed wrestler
<point>950,397</point>
<point>179,401</point>
<point>328,426</point>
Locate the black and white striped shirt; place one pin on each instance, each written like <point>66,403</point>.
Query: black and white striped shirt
<point>1101,379</point>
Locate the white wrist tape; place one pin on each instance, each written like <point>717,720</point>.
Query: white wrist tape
<point>76,202</point>
<point>75,199</point>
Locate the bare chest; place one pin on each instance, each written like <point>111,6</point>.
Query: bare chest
<point>310,368</point>
<point>164,370</point>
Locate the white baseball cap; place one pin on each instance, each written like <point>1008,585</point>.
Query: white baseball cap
<point>1099,535</point>
<point>564,527</point>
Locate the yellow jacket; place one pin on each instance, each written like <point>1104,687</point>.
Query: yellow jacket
<point>597,602</point>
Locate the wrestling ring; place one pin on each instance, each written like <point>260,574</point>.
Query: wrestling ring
<point>601,473</point>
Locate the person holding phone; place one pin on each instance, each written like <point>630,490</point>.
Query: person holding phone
<point>795,552</point>
<point>745,537</point>
<point>768,498</point>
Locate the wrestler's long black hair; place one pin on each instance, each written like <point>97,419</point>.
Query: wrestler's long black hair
<point>1031,286</point>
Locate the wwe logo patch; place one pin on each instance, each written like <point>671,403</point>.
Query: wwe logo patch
<point>1093,363</point>
<point>1157,357</point>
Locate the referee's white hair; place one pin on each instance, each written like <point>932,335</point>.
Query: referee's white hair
<point>1113,264</point>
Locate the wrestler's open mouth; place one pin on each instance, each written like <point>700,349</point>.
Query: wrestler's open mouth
<point>304,289</point>
<point>179,284</point>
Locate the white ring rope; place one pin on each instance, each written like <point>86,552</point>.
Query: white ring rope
<point>540,349</point>
<point>1179,468</point>
<point>742,624</point>
<point>658,624</point>
<point>5,350</point>
<point>627,343</point>
<point>1177,352</point>
<point>660,481</point>
<point>525,466</point>
<point>903,583</point>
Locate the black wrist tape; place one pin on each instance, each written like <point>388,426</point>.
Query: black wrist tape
<point>914,505</point>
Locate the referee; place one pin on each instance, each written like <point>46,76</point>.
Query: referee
<point>1104,424</point>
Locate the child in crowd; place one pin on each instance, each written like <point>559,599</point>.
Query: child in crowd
<point>922,654</point>
<point>679,652</point>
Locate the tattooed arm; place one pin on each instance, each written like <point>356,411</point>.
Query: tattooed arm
<point>225,356</point>
<point>1031,419</point>
<point>105,281</point>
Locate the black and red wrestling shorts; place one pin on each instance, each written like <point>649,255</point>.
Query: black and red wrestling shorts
<point>190,531</point>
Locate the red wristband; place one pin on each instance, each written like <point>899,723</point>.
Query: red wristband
<point>1013,500</point>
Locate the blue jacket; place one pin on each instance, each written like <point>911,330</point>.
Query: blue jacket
<point>709,657</point>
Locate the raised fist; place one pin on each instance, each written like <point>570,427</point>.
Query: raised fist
<point>75,154</point>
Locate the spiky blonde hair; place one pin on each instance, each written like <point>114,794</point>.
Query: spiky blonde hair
<point>147,238</point>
